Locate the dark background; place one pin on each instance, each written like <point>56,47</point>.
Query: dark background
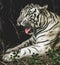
<point>9,12</point>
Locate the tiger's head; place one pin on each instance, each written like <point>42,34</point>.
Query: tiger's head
<point>29,17</point>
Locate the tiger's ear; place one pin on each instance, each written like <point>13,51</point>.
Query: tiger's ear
<point>44,7</point>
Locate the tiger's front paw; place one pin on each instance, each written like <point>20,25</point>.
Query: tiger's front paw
<point>7,57</point>
<point>11,56</point>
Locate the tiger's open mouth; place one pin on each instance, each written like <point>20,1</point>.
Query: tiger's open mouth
<point>27,30</point>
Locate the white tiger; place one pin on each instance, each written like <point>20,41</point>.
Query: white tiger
<point>44,28</point>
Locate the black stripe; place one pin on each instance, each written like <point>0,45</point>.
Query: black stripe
<point>40,36</point>
<point>35,49</point>
<point>42,29</point>
<point>50,14</point>
<point>50,28</point>
<point>38,16</point>
<point>46,30</point>
<point>43,41</point>
<point>54,17</point>
<point>46,12</point>
<point>24,53</point>
<point>52,41</point>
<point>29,50</point>
<point>40,20</point>
<point>30,42</point>
<point>34,39</point>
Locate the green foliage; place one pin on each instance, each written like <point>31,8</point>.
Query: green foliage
<point>34,59</point>
<point>55,56</point>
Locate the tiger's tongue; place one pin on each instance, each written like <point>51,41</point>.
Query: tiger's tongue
<point>27,30</point>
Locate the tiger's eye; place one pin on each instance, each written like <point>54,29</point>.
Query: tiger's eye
<point>35,15</point>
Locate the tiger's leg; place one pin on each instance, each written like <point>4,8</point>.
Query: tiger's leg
<point>26,43</point>
<point>27,51</point>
